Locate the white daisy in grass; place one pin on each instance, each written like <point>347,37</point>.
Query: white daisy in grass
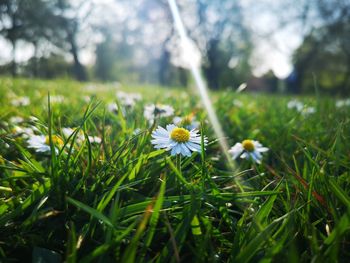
<point>136,131</point>
<point>178,140</point>
<point>189,122</point>
<point>248,149</point>
<point>56,99</point>
<point>128,99</point>
<point>295,104</point>
<point>24,132</point>
<point>16,120</point>
<point>41,143</point>
<point>112,107</point>
<point>67,132</point>
<point>153,111</point>
<point>33,119</point>
<point>95,139</point>
<point>308,110</point>
<point>237,103</point>
<point>20,101</point>
<point>342,103</point>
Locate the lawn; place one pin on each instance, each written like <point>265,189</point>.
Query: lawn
<point>97,190</point>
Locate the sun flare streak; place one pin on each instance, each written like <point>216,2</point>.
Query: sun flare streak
<point>194,64</point>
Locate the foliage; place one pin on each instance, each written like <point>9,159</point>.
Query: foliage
<point>123,201</point>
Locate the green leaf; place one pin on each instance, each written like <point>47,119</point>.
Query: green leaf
<point>93,212</point>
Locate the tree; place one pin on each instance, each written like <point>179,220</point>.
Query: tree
<point>69,20</point>
<point>21,20</point>
<point>222,37</point>
<point>325,51</point>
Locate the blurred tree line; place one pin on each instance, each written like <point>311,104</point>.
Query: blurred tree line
<point>136,41</point>
<point>323,59</point>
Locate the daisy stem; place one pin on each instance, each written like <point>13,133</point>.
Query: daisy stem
<point>178,163</point>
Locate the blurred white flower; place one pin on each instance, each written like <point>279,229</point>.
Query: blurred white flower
<point>41,143</point>
<point>237,103</point>
<point>94,139</point>
<point>300,107</point>
<point>80,137</point>
<point>87,99</point>
<point>189,122</point>
<point>152,111</point>
<point>248,149</point>
<point>178,140</point>
<point>342,103</point>
<point>136,131</point>
<point>16,120</point>
<point>241,87</point>
<point>20,101</point>
<point>24,132</point>
<point>295,104</point>
<point>67,132</point>
<point>308,110</point>
<point>91,87</point>
<point>112,107</point>
<point>33,118</point>
<point>128,99</point>
<point>56,99</point>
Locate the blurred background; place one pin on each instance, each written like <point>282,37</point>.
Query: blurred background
<point>285,46</point>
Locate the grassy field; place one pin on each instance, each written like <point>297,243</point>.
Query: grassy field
<point>104,193</point>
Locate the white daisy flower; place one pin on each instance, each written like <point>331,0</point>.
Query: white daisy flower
<point>56,99</point>
<point>248,149</point>
<point>69,131</point>
<point>24,132</point>
<point>308,110</point>
<point>295,104</point>
<point>86,99</point>
<point>113,108</point>
<point>137,131</point>
<point>80,136</point>
<point>128,99</point>
<point>41,143</point>
<point>94,139</point>
<point>178,140</point>
<point>153,111</point>
<point>33,119</point>
<point>91,87</point>
<point>20,101</point>
<point>16,120</point>
<point>342,103</point>
<point>189,122</point>
<point>237,103</point>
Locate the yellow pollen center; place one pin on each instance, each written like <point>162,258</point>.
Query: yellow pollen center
<point>55,140</point>
<point>248,145</point>
<point>180,135</point>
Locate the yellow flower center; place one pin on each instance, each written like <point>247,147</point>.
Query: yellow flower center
<point>180,135</point>
<point>248,145</point>
<point>55,140</point>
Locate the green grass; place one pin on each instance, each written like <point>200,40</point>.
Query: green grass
<point>123,201</point>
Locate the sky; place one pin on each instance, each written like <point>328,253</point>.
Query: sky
<point>272,52</point>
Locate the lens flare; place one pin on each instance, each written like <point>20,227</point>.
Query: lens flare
<point>200,83</point>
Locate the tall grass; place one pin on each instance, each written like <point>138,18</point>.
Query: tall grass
<point>123,201</point>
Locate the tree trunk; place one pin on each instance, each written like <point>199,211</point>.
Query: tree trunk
<point>164,68</point>
<point>35,60</point>
<point>78,68</point>
<point>13,63</point>
<point>212,70</point>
